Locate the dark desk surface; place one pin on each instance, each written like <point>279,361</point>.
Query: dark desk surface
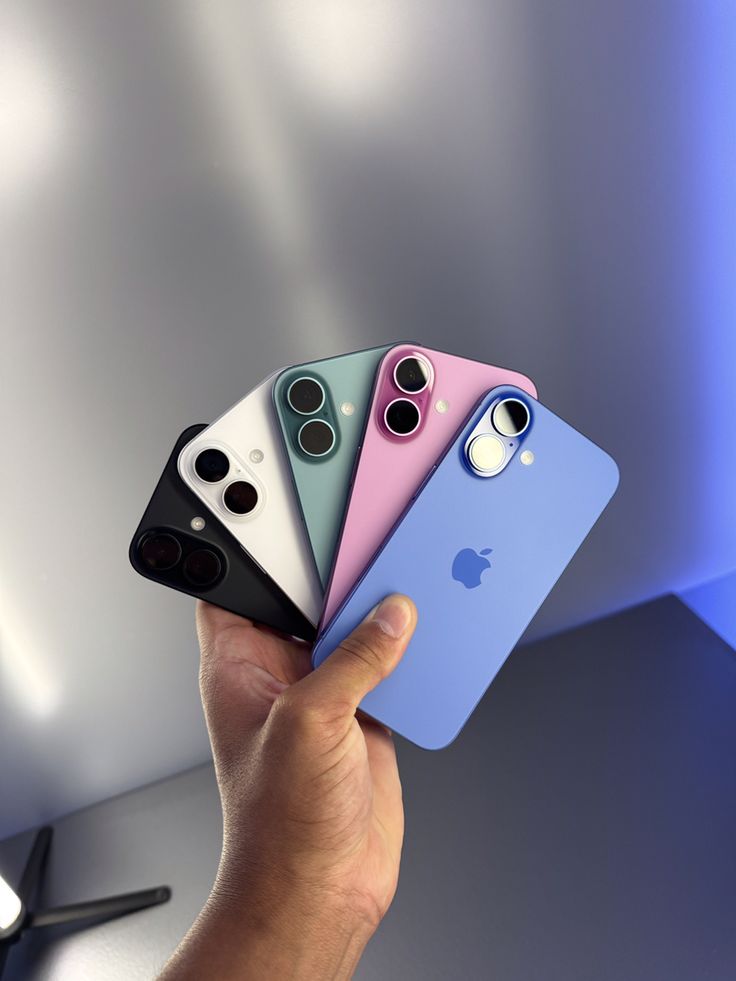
<point>584,826</point>
<point>581,829</point>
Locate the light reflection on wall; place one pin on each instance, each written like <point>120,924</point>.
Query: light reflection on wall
<point>32,119</point>
<point>256,147</point>
<point>25,679</point>
<point>347,54</point>
<point>714,601</point>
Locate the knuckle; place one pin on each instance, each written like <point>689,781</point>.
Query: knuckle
<point>368,651</point>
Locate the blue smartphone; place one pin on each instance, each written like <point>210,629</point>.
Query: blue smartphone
<point>478,549</point>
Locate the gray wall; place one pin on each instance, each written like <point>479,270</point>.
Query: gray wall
<point>581,827</point>
<point>194,192</point>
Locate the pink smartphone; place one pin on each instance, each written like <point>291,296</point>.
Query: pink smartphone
<point>421,398</point>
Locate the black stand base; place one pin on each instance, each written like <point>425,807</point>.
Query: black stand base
<point>109,907</point>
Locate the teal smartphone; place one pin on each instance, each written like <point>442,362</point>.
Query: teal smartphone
<point>321,408</point>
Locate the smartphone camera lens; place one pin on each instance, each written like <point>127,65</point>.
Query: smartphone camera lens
<point>402,417</point>
<point>305,396</point>
<point>316,438</point>
<point>160,552</point>
<point>240,497</point>
<point>202,568</point>
<point>510,417</point>
<point>411,375</point>
<point>212,465</point>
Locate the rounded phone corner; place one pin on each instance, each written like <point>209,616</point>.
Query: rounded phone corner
<point>434,743</point>
<point>615,474</point>
<point>132,554</point>
<point>277,383</point>
<point>180,466</point>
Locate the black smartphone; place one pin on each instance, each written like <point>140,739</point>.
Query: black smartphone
<point>179,543</point>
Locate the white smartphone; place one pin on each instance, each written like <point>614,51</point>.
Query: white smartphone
<point>238,468</point>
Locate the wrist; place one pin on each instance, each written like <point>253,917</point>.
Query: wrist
<point>326,943</point>
<point>265,931</point>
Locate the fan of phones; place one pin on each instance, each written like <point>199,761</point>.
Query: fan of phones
<point>395,469</point>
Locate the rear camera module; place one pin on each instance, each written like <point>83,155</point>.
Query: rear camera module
<point>160,552</point>
<point>212,465</point>
<point>316,438</point>
<point>202,567</point>
<point>411,375</point>
<point>510,417</point>
<point>305,396</point>
<point>240,497</point>
<point>402,417</point>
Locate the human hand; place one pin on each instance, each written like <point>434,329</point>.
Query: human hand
<point>311,799</point>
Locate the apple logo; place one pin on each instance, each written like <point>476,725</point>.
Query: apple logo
<point>470,565</point>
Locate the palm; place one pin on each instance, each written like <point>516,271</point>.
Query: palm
<point>378,815</point>
<point>359,780</point>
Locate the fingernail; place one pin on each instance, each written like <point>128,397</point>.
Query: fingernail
<point>392,615</point>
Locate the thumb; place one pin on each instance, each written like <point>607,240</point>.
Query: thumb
<point>368,655</point>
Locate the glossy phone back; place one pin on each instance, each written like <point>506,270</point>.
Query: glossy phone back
<point>322,482</point>
<point>390,469</point>
<point>272,533</point>
<point>516,531</point>
<point>241,587</point>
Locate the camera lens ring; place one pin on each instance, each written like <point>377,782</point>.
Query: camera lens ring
<point>393,429</point>
<point>486,453</point>
<point>202,568</point>
<point>409,368</point>
<point>160,551</point>
<point>305,380</point>
<point>211,465</point>
<point>511,417</point>
<point>243,498</point>
<point>313,425</point>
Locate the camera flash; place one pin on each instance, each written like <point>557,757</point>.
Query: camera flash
<point>527,458</point>
<point>347,408</point>
<point>197,524</point>
<point>441,406</point>
<point>256,456</point>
